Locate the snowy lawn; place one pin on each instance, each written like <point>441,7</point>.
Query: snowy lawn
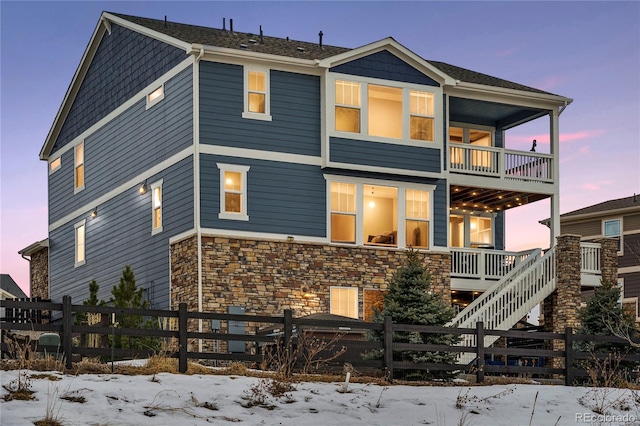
<point>173,399</point>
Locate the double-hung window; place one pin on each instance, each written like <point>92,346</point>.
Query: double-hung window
<point>256,94</point>
<point>79,167</point>
<point>417,218</point>
<point>347,106</point>
<point>156,207</point>
<point>233,191</point>
<point>421,120</point>
<point>613,229</point>
<point>343,212</point>
<point>79,229</point>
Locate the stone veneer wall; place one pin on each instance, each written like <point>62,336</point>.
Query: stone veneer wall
<point>560,309</point>
<point>268,276</point>
<point>39,270</point>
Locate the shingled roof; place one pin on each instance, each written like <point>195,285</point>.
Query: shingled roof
<point>295,49</point>
<point>611,205</point>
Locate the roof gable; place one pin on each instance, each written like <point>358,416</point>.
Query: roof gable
<point>386,66</point>
<point>9,285</point>
<point>606,207</point>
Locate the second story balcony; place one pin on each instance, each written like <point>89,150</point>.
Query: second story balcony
<point>501,163</point>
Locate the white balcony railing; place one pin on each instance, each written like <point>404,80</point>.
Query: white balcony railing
<point>484,263</point>
<point>499,162</point>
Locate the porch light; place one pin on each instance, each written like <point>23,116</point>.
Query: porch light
<point>306,293</point>
<point>143,187</point>
<point>94,213</point>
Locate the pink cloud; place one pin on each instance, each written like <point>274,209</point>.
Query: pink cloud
<point>550,82</point>
<point>506,52</point>
<point>591,186</point>
<point>564,137</point>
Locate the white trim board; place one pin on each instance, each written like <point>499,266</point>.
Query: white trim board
<point>131,183</point>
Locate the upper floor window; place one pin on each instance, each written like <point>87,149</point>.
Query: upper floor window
<point>473,155</point>
<point>613,229</point>
<point>154,97</point>
<point>347,106</point>
<point>79,229</point>
<point>79,167</point>
<point>256,94</point>
<point>379,214</point>
<point>156,207</point>
<point>55,165</point>
<point>233,192</point>
<point>388,112</point>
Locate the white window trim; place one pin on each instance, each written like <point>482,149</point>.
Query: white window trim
<point>266,116</point>
<point>155,185</point>
<point>77,189</point>
<point>239,169</point>
<point>81,224</point>
<point>356,305</point>
<point>402,187</point>
<point>364,111</point>
<point>54,168</point>
<point>151,103</point>
<point>621,251</point>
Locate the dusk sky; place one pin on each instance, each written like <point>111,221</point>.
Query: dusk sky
<point>586,51</point>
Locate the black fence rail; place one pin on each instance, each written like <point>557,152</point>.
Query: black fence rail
<point>197,336</point>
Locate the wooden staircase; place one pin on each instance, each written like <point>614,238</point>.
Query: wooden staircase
<point>509,300</point>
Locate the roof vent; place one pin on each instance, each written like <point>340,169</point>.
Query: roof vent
<point>224,24</point>
<point>243,46</point>
<point>261,39</point>
<point>320,36</point>
<point>231,25</point>
<point>165,21</point>
<point>301,49</point>
<point>252,41</point>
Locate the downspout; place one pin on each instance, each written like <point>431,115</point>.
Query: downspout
<point>28,260</point>
<point>196,179</point>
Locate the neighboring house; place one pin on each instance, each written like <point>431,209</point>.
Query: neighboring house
<point>9,290</point>
<point>249,173</point>
<point>618,219</point>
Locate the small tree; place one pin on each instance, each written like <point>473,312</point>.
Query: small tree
<point>409,300</point>
<point>603,316</point>
<point>91,301</point>
<point>127,295</point>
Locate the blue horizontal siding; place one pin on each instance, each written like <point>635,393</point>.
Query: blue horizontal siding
<point>440,214</point>
<point>281,197</point>
<point>121,235</point>
<point>124,64</point>
<point>385,66</point>
<point>378,154</point>
<point>134,141</point>
<point>295,111</point>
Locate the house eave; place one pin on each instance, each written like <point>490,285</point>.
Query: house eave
<point>542,100</point>
<point>34,248</point>
<point>212,52</point>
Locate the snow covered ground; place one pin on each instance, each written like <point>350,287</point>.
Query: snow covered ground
<point>172,399</point>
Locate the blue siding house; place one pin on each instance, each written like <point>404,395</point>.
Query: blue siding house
<point>234,170</point>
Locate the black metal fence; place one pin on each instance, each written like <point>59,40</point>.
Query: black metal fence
<point>188,334</point>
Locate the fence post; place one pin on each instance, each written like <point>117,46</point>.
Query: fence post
<point>568,356</point>
<point>182,337</point>
<point>288,327</point>
<point>480,351</point>
<point>388,347</point>
<point>67,323</point>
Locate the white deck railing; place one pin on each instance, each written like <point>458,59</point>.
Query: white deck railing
<point>484,263</point>
<point>499,162</point>
<point>590,258</point>
<point>509,300</point>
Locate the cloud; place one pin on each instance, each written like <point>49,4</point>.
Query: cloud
<point>543,138</point>
<point>550,82</point>
<point>506,52</point>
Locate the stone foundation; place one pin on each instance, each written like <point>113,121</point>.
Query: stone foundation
<point>39,271</point>
<point>268,276</point>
